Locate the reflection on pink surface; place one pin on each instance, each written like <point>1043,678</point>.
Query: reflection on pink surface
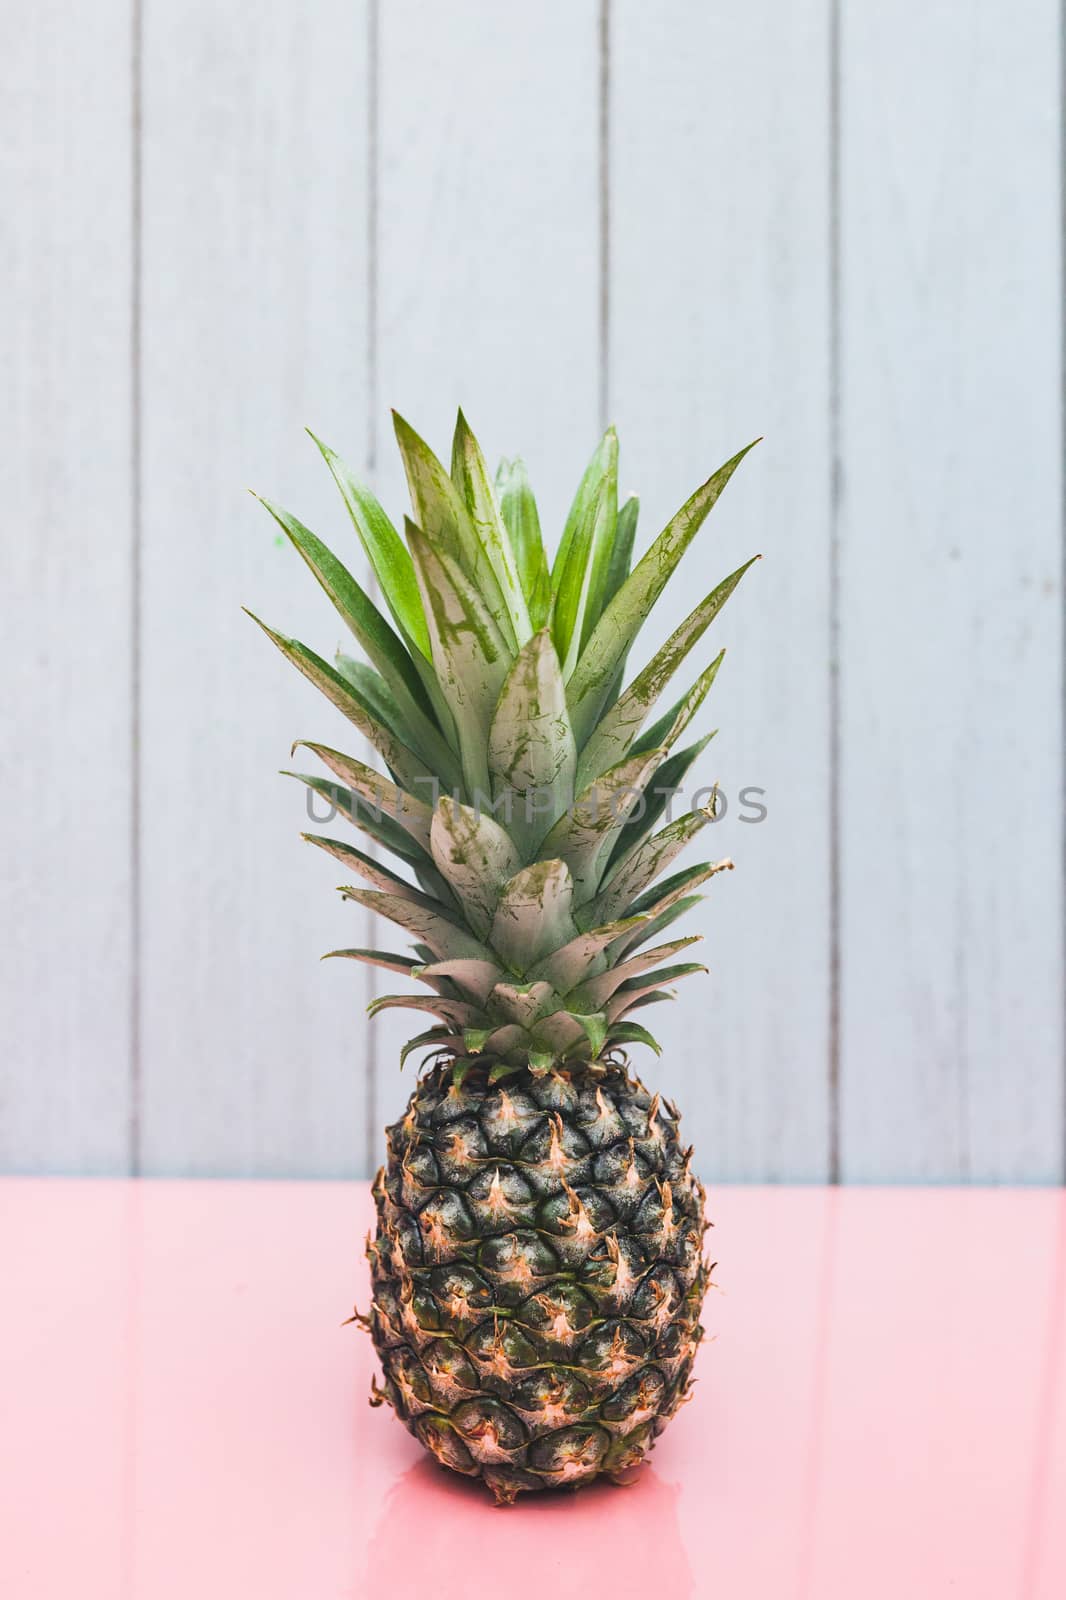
<point>882,1412</point>
<point>442,1537</point>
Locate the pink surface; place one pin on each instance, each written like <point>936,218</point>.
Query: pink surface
<point>182,1417</point>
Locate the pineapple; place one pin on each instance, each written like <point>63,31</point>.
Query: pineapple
<point>538,1266</point>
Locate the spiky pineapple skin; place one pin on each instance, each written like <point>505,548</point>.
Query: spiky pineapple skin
<point>538,1274</point>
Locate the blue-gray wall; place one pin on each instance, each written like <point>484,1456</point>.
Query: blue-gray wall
<point>836,223</point>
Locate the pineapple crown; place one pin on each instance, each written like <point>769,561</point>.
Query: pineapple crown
<point>520,794</point>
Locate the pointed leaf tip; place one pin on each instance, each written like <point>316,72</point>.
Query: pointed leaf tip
<point>594,674</point>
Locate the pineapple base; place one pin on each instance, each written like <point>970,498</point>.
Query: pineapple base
<point>538,1274</point>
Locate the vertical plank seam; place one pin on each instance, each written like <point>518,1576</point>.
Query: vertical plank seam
<point>1062,487</point>
<point>370,1042</point>
<point>134,1083</point>
<point>835,503</point>
<point>372,48</point>
<point>604,208</point>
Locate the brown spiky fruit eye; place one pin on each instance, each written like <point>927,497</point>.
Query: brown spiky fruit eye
<point>585,1333</point>
<point>537,1267</point>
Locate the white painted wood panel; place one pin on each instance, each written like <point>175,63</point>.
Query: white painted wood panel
<point>488,293</point>
<point>255,201</point>
<point>384,203</point>
<point>950,592</point>
<point>719,318</point>
<point>65,578</point>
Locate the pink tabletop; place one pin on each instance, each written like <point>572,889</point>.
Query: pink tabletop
<point>882,1412</point>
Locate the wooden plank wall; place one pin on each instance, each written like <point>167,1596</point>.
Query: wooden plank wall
<point>950,593</point>
<point>500,187</point>
<point>254,326</point>
<point>704,222</point>
<point>66,588</point>
<point>719,324</point>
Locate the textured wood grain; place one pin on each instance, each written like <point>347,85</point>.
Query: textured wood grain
<point>65,577</point>
<point>488,258</point>
<point>254,326</point>
<point>719,308</point>
<point>951,917</point>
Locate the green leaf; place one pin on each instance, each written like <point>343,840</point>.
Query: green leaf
<point>653,926</point>
<point>435,695</point>
<point>534,915</point>
<point>471,476</point>
<point>615,735</point>
<point>439,769</point>
<point>633,1033</point>
<point>608,553</point>
<point>475,976</point>
<point>662,905</point>
<point>441,1038</point>
<point>589,530</point>
<point>597,991</point>
<point>360,614</point>
<point>475,857</point>
<point>469,653</point>
<point>439,511</point>
<point>669,783</point>
<point>670,727</point>
<point>651,999</point>
<point>582,837</point>
<point>410,768</point>
<point>376,873</point>
<point>595,1026</point>
<point>384,548</point>
<point>443,936</point>
<point>460,1068</point>
<point>373,692</point>
<point>455,1012</point>
<point>413,816</point>
<point>501,1070</point>
<point>622,549</point>
<point>621,560</point>
<point>565,968</point>
<point>376,695</point>
<point>638,990</point>
<point>335,685</point>
<point>617,628</point>
<point>405,965</point>
<point>522,1003</point>
<point>519,511</point>
<point>367,817</point>
<point>559,1033</point>
<point>442,756</point>
<point>635,987</point>
<point>531,750</point>
<point>502,1040</point>
<point>623,720</point>
<point>667,893</point>
<point>632,875</point>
